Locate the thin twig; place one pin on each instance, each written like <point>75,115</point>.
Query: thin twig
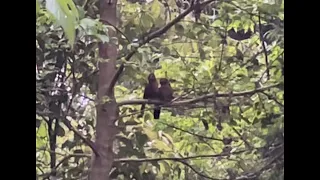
<point>84,96</point>
<point>115,27</point>
<point>264,48</point>
<point>222,51</point>
<point>270,66</point>
<point>134,113</point>
<point>74,83</point>
<point>242,138</point>
<point>191,133</point>
<point>197,172</point>
<point>272,98</point>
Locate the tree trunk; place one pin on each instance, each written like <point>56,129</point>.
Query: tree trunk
<point>107,112</point>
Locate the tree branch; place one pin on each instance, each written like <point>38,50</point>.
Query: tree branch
<point>272,98</point>
<point>242,138</point>
<point>72,155</point>
<point>126,160</point>
<point>197,99</point>
<point>177,158</point>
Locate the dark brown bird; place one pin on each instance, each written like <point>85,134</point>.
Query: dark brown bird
<point>165,90</point>
<point>151,91</point>
<point>165,93</point>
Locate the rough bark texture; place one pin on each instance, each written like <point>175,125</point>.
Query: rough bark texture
<point>107,113</point>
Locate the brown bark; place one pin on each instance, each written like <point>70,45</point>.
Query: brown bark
<point>107,112</point>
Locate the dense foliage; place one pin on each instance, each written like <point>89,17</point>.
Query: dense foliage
<point>226,68</point>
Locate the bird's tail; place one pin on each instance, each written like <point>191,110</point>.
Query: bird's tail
<point>156,112</point>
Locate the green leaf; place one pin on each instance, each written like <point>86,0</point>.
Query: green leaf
<point>81,12</point>
<point>191,35</point>
<point>42,135</point>
<point>179,28</point>
<point>66,14</point>
<point>37,7</point>
<point>151,134</point>
<point>236,25</point>
<point>164,166</point>
<point>42,131</point>
<point>103,38</point>
<point>270,8</point>
<point>69,8</point>
<point>217,23</point>
<point>202,54</point>
<point>146,20</point>
<point>88,23</point>
<point>60,131</point>
<point>170,139</point>
<point>161,145</point>
<point>156,9</point>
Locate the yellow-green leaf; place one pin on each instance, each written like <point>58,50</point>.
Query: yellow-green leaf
<point>66,14</point>
<point>42,131</point>
<point>170,139</point>
<point>161,145</point>
<point>41,135</point>
<point>146,20</point>
<point>69,8</point>
<point>151,134</point>
<point>37,6</point>
<point>156,9</point>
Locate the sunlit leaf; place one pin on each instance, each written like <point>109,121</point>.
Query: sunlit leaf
<point>66,14</point>
<point>161,145</point>
<point>151,134</point>
<point>156,8</point>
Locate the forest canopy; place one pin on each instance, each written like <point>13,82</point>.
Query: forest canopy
<point>224,61</point>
